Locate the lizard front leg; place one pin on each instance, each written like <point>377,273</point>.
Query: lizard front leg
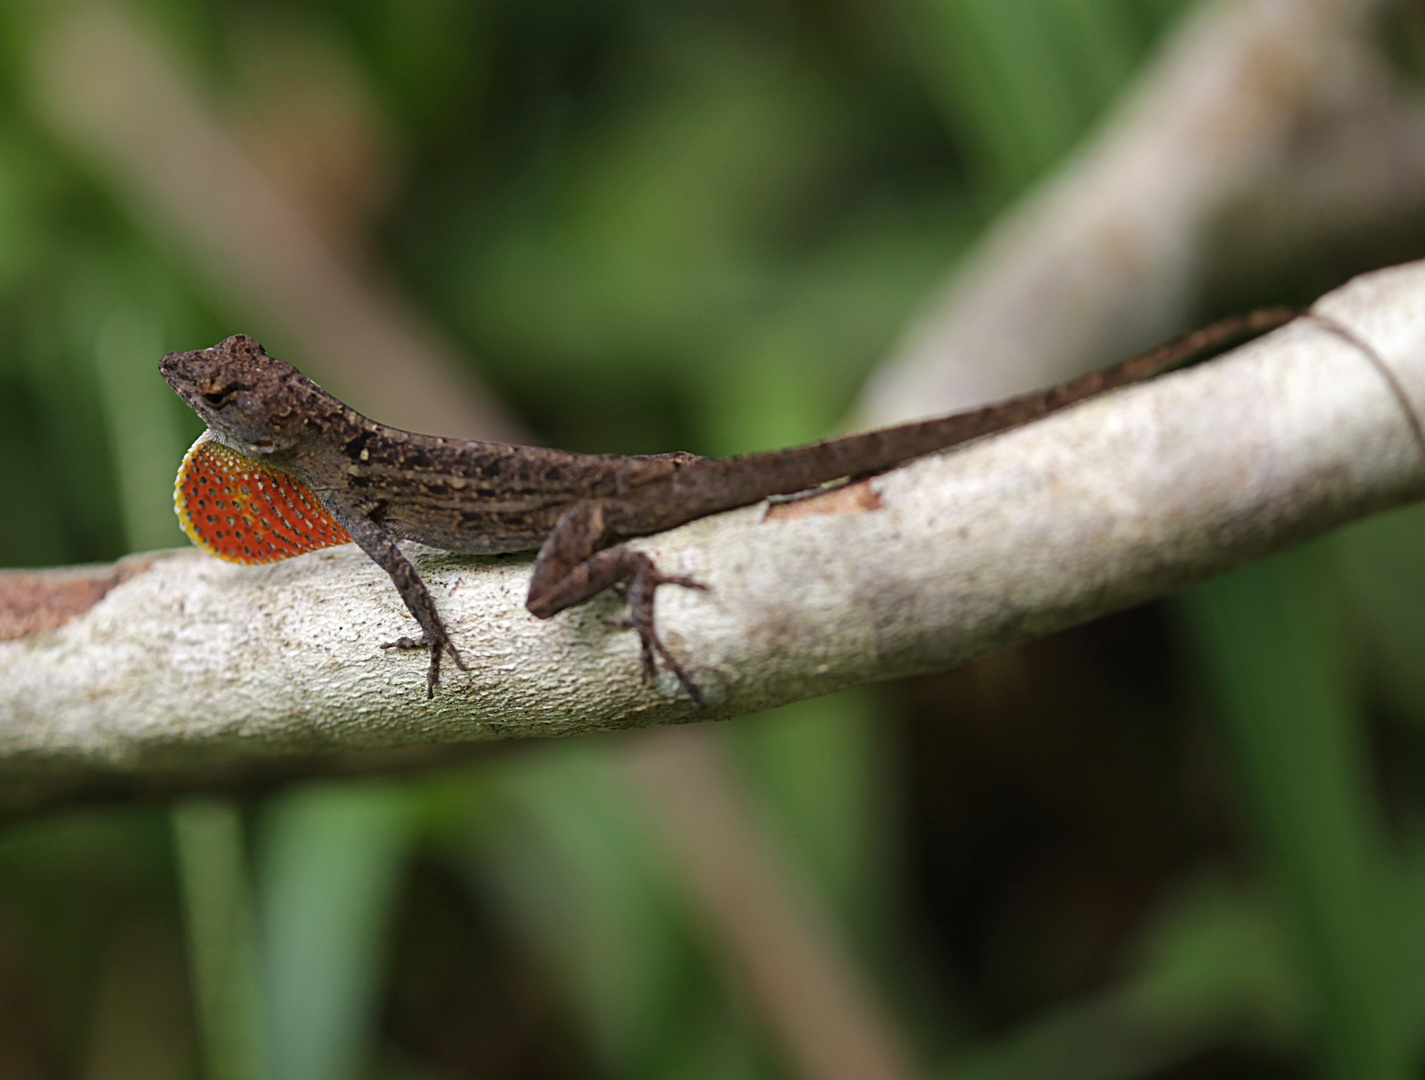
<point>385,553</point>
<point>572,567</point>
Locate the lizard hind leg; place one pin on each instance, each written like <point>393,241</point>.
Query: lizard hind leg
<point>571,569</point>
<point>642,584</point>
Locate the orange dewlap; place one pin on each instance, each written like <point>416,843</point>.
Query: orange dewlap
<point>241,510</point>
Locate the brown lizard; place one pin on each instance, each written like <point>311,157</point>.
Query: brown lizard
<point>286,468</point>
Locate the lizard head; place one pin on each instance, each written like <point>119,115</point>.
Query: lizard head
<point>253,402</point>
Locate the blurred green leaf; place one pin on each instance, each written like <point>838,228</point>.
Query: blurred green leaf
<point>1024,79</point>
<point>1211,967</point>
<point>329,868</point>
<point>36,534</point>
<point>144,431</point>
<point>581,874</point>
<point>1273,642</point>
<point>818,770</point>
<point>208,836</point>
<point>1383,560</point>
<point>657,226</point>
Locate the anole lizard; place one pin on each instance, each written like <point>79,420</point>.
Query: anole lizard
<point>285,467</point>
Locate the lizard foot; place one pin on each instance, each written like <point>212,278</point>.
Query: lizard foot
<point>571,569</point>
<point>641,587</point>
<point>423,642</point>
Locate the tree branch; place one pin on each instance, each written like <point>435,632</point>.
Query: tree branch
<point>190,665</point>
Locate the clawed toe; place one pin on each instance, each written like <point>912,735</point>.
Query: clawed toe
<point>651,644</point>
<point>433,672</point>
<point>685,582</point>
<point>455,655</point>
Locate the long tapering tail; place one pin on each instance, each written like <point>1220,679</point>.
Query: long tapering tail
<point>780,472</point>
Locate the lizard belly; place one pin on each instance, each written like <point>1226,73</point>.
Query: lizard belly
<point>468,543</point>
<point>473,532</point>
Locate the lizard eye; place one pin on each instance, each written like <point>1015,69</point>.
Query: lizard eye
<point>219,398</point>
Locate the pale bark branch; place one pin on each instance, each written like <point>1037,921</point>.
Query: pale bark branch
<point>191,664</point>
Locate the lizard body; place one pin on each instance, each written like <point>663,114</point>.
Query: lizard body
<point>290,469</point>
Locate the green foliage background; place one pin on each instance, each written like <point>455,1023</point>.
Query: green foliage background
<point>698,225</point>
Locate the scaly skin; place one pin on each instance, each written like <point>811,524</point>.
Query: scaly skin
<point>381,484</point>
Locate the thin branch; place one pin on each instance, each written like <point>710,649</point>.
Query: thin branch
<point>191,664</point>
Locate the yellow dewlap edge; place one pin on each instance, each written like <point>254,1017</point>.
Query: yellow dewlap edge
<point>267,514</point>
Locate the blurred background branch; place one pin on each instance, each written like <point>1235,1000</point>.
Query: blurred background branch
<point>1264,130</point>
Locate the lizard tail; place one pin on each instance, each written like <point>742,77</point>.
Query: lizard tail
<point>864,454</point>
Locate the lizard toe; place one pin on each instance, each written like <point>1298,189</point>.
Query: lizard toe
<point>676,579</point>
<point>455,655</point>
<point>432,673</point>
<point>407,643</point>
